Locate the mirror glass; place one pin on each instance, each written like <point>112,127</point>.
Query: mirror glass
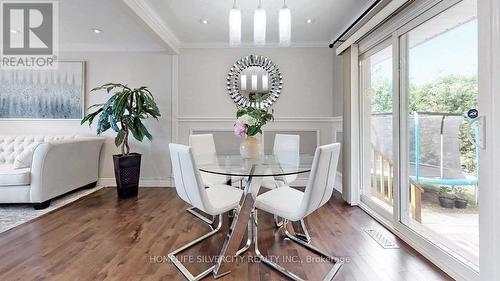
<point>254,81</point>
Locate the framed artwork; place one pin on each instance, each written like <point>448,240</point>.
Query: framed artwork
<point>43,94</point>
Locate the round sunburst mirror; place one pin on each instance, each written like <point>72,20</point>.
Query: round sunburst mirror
<point>254,81</point>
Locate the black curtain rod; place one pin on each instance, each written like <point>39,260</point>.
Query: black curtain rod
<point>355,22</point>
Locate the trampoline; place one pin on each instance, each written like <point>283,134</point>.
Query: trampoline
<point>434,147</point>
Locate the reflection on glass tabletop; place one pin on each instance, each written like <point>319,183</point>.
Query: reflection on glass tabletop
<point>267,165</point>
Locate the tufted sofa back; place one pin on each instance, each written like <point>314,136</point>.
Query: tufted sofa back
<point>12,146</point>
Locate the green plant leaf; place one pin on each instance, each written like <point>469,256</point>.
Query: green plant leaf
<point>90,117</point>
<point>120,137</point>
<point>126,107</point>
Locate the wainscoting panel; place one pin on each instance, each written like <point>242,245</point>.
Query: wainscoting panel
<point>225,140</point>
<point>309,139</point>
<point>313,131</point>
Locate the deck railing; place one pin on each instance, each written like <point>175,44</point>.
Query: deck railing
<point>382,175</point>
<point>382,183</point>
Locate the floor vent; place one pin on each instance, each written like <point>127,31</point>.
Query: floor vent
<point>381,239</point>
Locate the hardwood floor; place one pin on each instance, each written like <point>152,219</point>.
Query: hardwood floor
<point>102,238</point>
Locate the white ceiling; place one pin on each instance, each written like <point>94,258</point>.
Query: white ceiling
<point>122,29</point>
<point>183,18</point>
<point>132,25</point>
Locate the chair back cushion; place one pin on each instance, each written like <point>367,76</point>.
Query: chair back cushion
<point>320,185</point>
<point>12,146</point>
<point>188,183</point>
<point>203,147</point>
<point>286,143</point>
<point>287,150</point>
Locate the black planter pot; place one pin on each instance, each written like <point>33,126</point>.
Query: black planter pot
<point>127,173</point>
<point>460,203</point>
<point>446,202</point>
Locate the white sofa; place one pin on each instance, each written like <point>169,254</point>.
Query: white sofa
<point>59,164</point>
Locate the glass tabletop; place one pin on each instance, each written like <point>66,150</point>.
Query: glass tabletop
<point>267,165</point>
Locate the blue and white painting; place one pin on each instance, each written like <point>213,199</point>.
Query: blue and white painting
<point>43,94</point>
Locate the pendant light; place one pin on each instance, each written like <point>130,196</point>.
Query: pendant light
<point>234,26</point>
<point>259,25</point>
<point>285,25</point>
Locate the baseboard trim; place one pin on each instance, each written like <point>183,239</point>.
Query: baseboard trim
<point>162,182</point>
<point>143,182</point>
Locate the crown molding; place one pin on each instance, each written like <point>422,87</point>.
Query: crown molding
<point>74,48</point>
<point>153,20</point>
<point>248,45</point>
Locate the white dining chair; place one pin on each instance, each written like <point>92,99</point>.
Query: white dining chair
<point>286,149</point>
<point>294,205</point>
<point>215,200</point>
<point>204,152</point>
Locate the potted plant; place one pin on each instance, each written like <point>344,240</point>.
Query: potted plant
<point>446,197</point>
<point>461,199</point>
<point>124,113</point>
<point>249,123</point>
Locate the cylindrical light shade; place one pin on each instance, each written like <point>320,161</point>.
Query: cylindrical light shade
<point>259,26</point>
<point>234,27</point>
<point>265,83</point>
<point>254,82</point>
<point>285,22</point>
<point>243,82</point>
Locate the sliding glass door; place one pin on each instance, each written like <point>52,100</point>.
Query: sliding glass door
<point>418,96</point>
<point>377,115</point>
<point>440,86</point>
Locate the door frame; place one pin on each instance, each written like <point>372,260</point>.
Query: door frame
<point>489,104</point>
<point>456,268</point>
<point>363,128</point>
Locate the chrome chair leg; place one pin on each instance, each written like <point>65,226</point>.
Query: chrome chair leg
<point>304,234</point>
<point>265,260</point>
<point>181,267</point>
<point>278,222</point>
<point>337,262</point>
<point>194,211</point>
<point>329,276</point>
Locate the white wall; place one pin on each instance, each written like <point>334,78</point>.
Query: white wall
<point>135,69</point>
<point>308,105</point>
<point>307,102</point>
<point>307,76</point>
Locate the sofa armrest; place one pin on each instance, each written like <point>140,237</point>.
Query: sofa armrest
<point>62,166</point>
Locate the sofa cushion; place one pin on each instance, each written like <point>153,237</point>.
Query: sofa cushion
<point>24,159</point>
<point>14,177</point>
<point>12,146</point>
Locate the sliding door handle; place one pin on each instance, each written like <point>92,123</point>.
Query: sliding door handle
<point>477,126</point>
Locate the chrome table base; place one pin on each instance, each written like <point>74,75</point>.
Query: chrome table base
<point>230,247</point>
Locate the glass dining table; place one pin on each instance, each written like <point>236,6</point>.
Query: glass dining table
<point>284,167</point>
